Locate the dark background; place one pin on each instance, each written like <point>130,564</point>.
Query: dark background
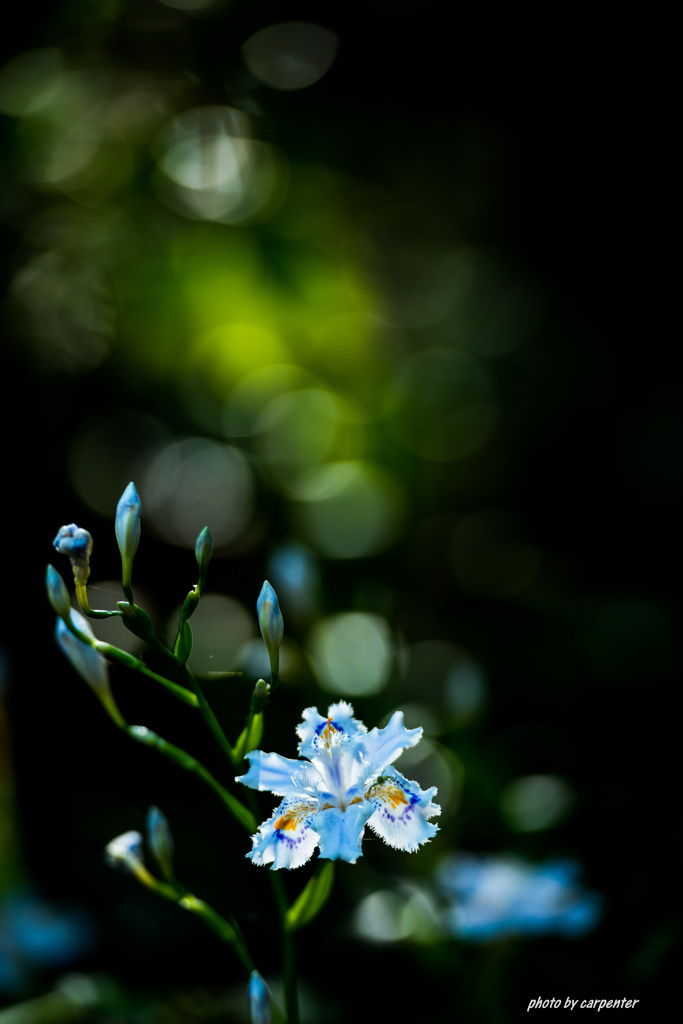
<point>541,133</point>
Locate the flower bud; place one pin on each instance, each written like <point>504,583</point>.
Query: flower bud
<point>57,593</point>
<point>127,528</point>
<point>160,840</point>
<point>203,551</point>
<point>183,644</point>
<point>75,542</point>
<point>137,621</point>
<point>271,623</point>
<point>259,697</point>
<point>124,853</point>
<point>260,1000</point>
<point>89,664</point>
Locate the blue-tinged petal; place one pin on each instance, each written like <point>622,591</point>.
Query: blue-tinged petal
<point>127,529</point>
<point>57,593</point>
<point>274,773</point>
<point>271,623</point>
<point>401,810</point>
<point>339,718</point>
<point>382,746</point>
<point>77,544</point>
<point>260,1000</point>
<point>341,832</point>
<point>342,714</point>
<point>88,662</point>
<point>308,730</point>
<point>286,840</point>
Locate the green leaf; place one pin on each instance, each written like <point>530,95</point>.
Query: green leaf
<point>248,739</point>
<point>311,900</point>
<point>137,621</point>
<point>183,644</point>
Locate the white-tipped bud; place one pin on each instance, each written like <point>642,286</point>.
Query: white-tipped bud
<point>125,854</point>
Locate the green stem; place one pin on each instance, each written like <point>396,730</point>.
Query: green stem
<point>150,739</point>
<point>211,719</point>
<point>288,952</point>
<point>226,930</point>
<point>178,691</point>
<point>130,661</point>
<point>91,613</point>
<point>202,702</point>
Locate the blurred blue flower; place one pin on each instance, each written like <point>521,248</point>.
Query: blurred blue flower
<point>294,569</point>
<point>35,935</point>
<point>495,897</point>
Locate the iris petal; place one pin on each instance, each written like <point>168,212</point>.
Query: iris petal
<point>401,810</point>
<point>286,840</point>
<point>382,746</point>
<point>341,832</point>
<point>271,772</point>
<point>341,715</point>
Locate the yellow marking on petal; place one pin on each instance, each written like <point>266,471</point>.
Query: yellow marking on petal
<point>327,806</point>
<point>395,796</point>
<point>326,734</point>
<point>287,822</point>
<point>291,819</point>
<point>357,800</point>
<point>387,790</point>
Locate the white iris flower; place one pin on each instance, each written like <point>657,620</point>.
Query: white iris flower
<point>346,782</point>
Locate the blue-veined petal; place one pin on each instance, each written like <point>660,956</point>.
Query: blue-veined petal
<point>272,772</point>
<point>286,840</point>
<point>341,832</point>
<point>401,810</point>
<point>382,746</point>
<point>339,715</point>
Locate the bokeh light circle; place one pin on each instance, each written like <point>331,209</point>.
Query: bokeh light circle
<point>194,483</point>
<point>211,169</point>
<point>290,55</point>
<point>351,653</point>
<point>350,509</point>
<point>535,802</point>
<point>221,627</point>
<point>108,452</point>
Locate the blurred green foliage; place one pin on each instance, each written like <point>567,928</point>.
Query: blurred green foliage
<point>394,336</point>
